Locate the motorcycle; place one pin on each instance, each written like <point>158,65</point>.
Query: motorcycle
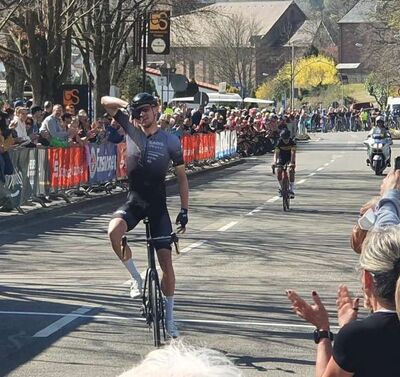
<point>378,151</point>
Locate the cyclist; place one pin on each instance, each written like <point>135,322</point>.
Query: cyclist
<point>149,152</point>
<point>285,153</point>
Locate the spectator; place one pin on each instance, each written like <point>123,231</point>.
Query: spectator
<point>19,126</point>
<point>368,347</point>
<point>179,360</point>
<point>37,117</point>
<point>32,132</point>
<point>70,109</point>
<point>54,127</point>
<point>196,116</point>
<point>48,109</point>
<point>73,132</point>
<point>114,132</point>
<point>97,133</point>
<point>84,124</point>
<point>6,143</point>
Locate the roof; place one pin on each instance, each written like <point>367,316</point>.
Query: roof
<point>305,35</point>
<point>362,12</point>
<point>264,14</point>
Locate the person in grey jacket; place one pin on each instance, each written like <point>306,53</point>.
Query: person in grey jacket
<point>52,124</point>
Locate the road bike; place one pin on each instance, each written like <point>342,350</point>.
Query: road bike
<point>285,189</point>
<point>152,308</point>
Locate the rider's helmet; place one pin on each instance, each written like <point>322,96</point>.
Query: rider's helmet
<point>380,120</point>
<point>285,134</point>
<point>144,99</point>
<point>139,100</point>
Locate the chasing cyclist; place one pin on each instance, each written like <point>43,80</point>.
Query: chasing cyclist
<point>149,152</point>
<point>285,154</point>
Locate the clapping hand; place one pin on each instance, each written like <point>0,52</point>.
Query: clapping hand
<point>315,314</point>
<point>347,307</point>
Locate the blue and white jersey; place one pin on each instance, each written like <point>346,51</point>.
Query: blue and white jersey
<point>148,157</point>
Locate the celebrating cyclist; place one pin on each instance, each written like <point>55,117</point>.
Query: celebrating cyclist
<point>149,152</point>
<point>285,154</point>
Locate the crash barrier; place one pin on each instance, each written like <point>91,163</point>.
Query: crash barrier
<point>199,147</point>
<point>43,171</point>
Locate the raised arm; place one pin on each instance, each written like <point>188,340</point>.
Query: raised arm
<point>113,104</point>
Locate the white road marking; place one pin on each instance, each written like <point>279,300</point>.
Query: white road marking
<point>332,161</point>
<point>274,199</point>
<point>327,164</point>
<point>65,320</point>
<point>140,319</point>
<point>301,182</point>
<point>192,246</point>
<point>312,174</point>
<point>319,169</point>
<point>227,226</point>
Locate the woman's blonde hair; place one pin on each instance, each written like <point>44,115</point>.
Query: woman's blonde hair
<point>180,360</point>
<point>381,256</point>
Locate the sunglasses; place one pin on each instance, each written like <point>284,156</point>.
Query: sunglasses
<point>136,112</point>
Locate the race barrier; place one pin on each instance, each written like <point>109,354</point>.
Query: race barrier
<point>42,171</point>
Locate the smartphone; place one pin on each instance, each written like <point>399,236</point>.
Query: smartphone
<point>397,163</point>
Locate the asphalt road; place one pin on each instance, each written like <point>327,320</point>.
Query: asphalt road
<point>64,304</point>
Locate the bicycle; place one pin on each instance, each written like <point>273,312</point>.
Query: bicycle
<point>285,190</point>
<point>152,308</point>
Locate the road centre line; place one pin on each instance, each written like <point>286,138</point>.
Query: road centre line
<point>320,169</point>
<point>301,182</point>
<point>312,174</point>
<point>141,319</point>
<point>59,324</point>
<point>274,199</point>
<point>227,226</point>
<point>327,164</point>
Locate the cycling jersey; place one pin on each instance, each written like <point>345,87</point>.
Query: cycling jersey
<point>148,158</point>
<point>285,151</point>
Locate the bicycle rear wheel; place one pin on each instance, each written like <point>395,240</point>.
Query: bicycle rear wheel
<point>156,315</point>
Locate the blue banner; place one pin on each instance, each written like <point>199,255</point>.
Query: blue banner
<point>102,160</point>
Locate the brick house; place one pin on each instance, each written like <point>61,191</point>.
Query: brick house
<point>192,37</point>
<point>355,31</point>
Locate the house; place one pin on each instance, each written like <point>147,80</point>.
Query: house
<point>356,29</point>
<point>197,37</point>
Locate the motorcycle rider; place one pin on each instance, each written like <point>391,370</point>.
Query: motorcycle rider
<point>379,131</point>
<point>285,153</point>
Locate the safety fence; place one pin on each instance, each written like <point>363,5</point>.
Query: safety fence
<point>43,171</point>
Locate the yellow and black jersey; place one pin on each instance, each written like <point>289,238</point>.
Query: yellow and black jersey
<point>285,149</point>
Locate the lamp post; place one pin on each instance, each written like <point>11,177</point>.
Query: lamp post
<point>292,80</point>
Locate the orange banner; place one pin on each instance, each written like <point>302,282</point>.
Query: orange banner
<point>198,147</point>
<point>68,167</point>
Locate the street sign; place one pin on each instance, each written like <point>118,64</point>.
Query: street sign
<point>159,32</point>
<point>222,87</point>
<point>179,82</point>
<point>201,98</point>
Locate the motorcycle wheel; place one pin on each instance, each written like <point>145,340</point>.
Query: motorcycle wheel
<point>377,168</point>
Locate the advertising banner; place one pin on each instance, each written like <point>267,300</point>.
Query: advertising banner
<point>102,162</point>
<point>75,96</point>
<point>67,167</point>
<point>159,32</point>
<point>188,148</point>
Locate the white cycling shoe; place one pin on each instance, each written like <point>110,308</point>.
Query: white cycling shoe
<point>136,288</point>
<point>171,329</point>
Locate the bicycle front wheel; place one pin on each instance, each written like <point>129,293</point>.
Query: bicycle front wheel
<point>155,310</point>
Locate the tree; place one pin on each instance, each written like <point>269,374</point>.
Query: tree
<point>39,35</point>
<point>130,83</point>
<point>233,54</point>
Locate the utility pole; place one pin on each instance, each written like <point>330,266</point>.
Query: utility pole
<point>292,80</point>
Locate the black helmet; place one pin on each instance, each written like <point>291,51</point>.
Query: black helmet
<point>285,134</point>
<point>143,99</point>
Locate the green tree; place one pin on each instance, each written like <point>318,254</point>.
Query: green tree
<point>130,83</point>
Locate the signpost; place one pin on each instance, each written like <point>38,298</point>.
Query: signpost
<point>158,38</point>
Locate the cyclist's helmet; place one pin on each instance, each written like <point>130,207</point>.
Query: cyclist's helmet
<point>139,100</point>
<point>285,134</point>
<point>380,120</point>
<point>143,99</point>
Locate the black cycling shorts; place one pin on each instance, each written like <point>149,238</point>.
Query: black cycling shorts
<point>135,209</point>
<point>283,161</point>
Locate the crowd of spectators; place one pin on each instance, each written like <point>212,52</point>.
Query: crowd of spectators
<point>55,126</point>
